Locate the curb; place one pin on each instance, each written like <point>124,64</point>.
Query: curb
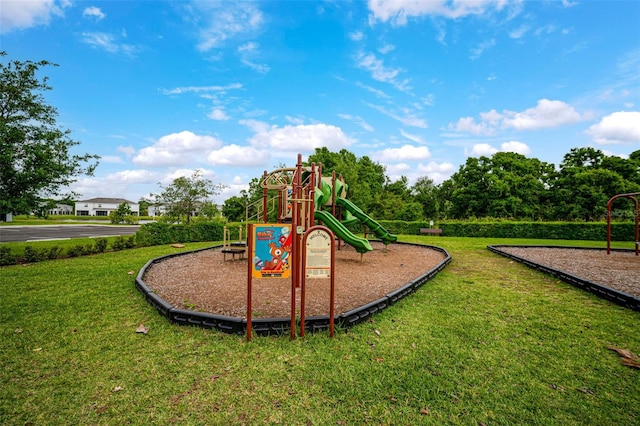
<point>277,326</point>
<point>608,293</point>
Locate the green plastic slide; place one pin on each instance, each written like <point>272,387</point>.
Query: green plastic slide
<point>360,244</point>
<point>374,226</point>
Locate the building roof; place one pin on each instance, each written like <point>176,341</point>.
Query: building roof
<point>106,201</point>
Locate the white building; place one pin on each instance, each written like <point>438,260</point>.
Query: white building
<point>104,206</point>
<point>156,210</point>
<point>61,209</point>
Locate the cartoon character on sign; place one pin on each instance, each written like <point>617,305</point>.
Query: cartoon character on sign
<point>278,256</point>
<point>274,253</point>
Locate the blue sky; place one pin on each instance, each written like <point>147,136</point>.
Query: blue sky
<point>160,89</point>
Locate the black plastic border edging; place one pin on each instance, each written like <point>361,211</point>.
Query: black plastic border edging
<point>269,326</point>
<point>600,290</point>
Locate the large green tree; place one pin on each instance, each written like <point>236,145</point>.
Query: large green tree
<point>186,196</point>
<point>364,177</point>
<point>36,160</point>
<point>425,192</point>
<point>234,208</point>
<point>587,179</point>
<point>507,185</point>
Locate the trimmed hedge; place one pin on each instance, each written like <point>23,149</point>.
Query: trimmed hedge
<point>157,233</point>
<point>594,231</point>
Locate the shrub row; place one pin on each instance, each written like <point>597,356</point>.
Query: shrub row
<point>156,233</point>
<point>593,231</point>
<point>34,254</point>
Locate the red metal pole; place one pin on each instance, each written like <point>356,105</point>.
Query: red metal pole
<point>333,193</point>
<point>303,286</point>
<point>264,198</point>
<point>332,291</point>
<point>249,278</point>
<point>312,193</point>
<point>637,227</point>
<point>609,224</point>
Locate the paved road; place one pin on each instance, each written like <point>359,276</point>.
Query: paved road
<point>62,232</point>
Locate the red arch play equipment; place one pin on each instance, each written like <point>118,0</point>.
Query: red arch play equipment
<point>633,196</point>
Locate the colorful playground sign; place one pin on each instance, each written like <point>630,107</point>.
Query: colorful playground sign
<point>271,250</point>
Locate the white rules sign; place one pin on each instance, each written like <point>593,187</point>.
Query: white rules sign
<point>318,247</point>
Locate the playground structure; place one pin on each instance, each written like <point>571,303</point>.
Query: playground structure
<point>232,247</point>
<point>283,249</point>
<point>304,196</point>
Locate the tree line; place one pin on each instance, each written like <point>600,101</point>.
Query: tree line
<point>506,185</point>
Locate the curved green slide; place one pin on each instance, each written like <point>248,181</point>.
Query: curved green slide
<point>375,227</point>
<point>360,244</point>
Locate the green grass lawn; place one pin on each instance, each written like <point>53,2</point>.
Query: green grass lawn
<point>487,341</point>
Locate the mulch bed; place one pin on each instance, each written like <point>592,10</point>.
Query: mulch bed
<point>203,281</point>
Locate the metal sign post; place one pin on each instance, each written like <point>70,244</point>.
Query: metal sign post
<point>270,249</point>
<point>318,258</point>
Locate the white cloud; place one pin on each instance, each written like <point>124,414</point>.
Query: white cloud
<point>519,32</point>
<point>398,11</point>
<point>515,146</point>
<point>233,189</point>
<point>26,14</point>
<point>484,149</point>
<point>358,120</point>
<point>478,51</point>
<point>255,125</point>
<point>261,68</point>
<point>119,184</point>
<point>302,138</point>
<point>379,72</point>
<point>238,156</point>
<point>481,149</point>
<point>622,127</point>
<point>404,153</point>
<point>408,118</point>
<point>294,120</point>
<point>221,21</point>
<point>172,175</point>
<point>250,46</point>
<point>93,12</point>
<point>248,52</point>
<point>438,172</point>
<point>201,89</point>
<point>468,125</point>
<point>126,150</point>
<point>177,149</point>
<point>546,114</point>
<point>111,159</point>
<point>395,171</point>
<point>413,138</point>
<point>108,42</point>
<point>386,48</point>
<point>356,35</point>
<point>132,177</point>
<point>378,93</point>
<point>429,100</point>
<point>218,114</point>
